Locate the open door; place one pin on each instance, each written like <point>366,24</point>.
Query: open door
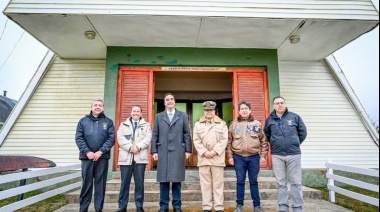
<point>251,85</point>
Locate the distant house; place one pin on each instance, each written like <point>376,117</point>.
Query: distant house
<point>6,107</point>
<point>133,52</point>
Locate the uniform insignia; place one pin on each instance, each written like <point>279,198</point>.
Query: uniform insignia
<point>257,129</point>
<point>238,129</point>
<point>250,128</point>
<point>290,122</point>
<point>104,126</point>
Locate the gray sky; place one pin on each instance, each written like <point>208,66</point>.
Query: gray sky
<point>20,53</point>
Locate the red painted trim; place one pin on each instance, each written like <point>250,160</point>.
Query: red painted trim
<point>267,112</point>
<point>118,119</point>
<point>150,112</point>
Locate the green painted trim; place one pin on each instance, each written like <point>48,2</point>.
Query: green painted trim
<point>157,57</point>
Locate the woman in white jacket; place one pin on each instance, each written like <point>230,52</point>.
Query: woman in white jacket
<point>134,136</point>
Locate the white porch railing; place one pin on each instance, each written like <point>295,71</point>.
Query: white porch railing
<point>332,188</point>
<point>23,189</point>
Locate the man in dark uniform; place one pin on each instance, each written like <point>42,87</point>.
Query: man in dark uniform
<point>171,146</point>
<point>94,138</point>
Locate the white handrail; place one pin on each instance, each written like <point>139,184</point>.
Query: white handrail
<point>332,178</point>
<point>25,175</point>
<point>54,181</point>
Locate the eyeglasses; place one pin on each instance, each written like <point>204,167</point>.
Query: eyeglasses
<point>208,110</point>
<point>279,103</point>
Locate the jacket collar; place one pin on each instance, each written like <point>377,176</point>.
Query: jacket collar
<point>216,119</point>
<point>129,121</point>
<point>166,117</point>
<point>273,114</point>
<point>101,115</point>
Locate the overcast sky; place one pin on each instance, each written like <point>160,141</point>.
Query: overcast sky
<point>21,54</point>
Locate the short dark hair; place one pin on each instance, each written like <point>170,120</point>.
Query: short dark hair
<point>245,103</point>
<point>278,97</point>
<point>97,100</point>
<point>136,106</point>
<point>167,94</point>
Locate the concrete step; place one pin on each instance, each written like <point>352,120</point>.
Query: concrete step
<point>194,174</point>
<point>310,205</point>
<point>229,184</point>
<point>196,195</point>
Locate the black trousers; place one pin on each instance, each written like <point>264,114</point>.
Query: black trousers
<point>138,172</point>
<point>164,195</point>
<point>94,173</point>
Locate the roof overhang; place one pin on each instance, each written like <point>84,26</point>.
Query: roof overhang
<point>62,31</point>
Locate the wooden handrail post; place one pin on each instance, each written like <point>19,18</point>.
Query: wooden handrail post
<point>331,182</point>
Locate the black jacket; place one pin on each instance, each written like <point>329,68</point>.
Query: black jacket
<point>95,134</point>
<point>285,134</point>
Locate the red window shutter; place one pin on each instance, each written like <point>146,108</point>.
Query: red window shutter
<point>251,88</point>
<point>134,91</point>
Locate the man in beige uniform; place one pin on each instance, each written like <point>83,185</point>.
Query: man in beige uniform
<point>210,138</point>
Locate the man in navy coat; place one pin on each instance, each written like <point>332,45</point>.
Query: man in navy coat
<point>286,131</point>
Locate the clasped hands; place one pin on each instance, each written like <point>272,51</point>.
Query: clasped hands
<point>210,154</point>
<point>94,155</point>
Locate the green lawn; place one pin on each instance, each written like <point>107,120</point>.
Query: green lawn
<point>47,205</point>
<point>350,203</point>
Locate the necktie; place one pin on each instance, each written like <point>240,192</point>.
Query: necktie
<point>134,126</point>
<point>170,117</point>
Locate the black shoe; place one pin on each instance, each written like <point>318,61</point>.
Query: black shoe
<point>140,209</point>
<point>220,211</point>
<point>206,210</point>
<point>178,210</point>
<point>121,210</point>
<point>162,210</point>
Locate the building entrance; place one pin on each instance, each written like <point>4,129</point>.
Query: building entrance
<point>227,87</point>
<point>191,89</point>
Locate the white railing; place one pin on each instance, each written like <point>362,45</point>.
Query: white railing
<point>332,188</point>
<point>23,189</point>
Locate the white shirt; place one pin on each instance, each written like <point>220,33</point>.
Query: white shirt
<point>171,113</point>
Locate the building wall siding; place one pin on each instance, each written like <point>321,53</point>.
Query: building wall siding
<point>334,128</point>
<point>334,9</point>
<point>46,127</point>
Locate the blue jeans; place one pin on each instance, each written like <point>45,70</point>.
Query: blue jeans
<point>242,165</point>
<point>164,195</point>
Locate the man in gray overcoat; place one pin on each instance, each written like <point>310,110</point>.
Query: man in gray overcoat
<point>171,146</point>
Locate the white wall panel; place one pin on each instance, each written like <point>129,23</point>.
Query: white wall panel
<point>334,128</point>
<point>46,127</point>
<point>334,9</point>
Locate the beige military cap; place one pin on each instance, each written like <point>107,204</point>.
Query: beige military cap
<point>209,105</point>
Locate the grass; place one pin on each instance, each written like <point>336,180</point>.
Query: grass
<point>349,203</point>
<point>47,205</point>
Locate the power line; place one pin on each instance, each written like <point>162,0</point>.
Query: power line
<point>5,26</point>
<point>12,51</point>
